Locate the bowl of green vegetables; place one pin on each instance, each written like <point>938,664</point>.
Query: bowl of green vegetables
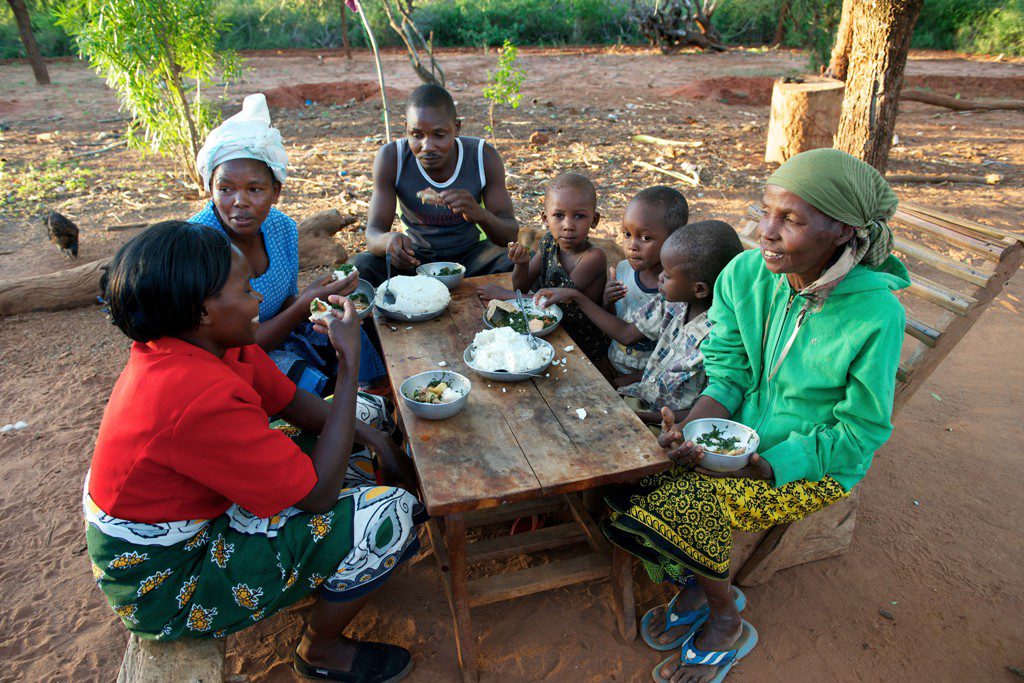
<point>727,445</point>
<point>449,273</point>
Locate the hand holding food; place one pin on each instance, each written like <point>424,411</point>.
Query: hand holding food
<point>614,290</point>
<point>557,295</point>
<point>462,202</point>
<point>328,285</point>
<point>341,323</point>
<point>429,195</point>
<point>518,254</point>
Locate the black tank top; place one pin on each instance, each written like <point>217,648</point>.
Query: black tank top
<point>433,228</point>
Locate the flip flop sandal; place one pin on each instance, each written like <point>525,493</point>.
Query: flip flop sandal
<point>694,618</point>
<point>373,663</point>
<point>723,659</point>
<point>523,525</point>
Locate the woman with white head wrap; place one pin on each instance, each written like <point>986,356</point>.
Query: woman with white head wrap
<point>243,164</point>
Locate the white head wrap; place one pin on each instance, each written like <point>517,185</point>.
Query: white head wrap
<point>246,135</point>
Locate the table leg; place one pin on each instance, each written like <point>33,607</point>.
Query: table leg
<point>465,642</point>
<point>623,601</point>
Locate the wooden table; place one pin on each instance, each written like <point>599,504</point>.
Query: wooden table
<point>516,449</point>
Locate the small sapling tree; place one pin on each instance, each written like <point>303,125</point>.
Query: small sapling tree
<point>503,85</point>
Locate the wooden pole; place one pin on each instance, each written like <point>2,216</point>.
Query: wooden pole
<point>380,71</point>
<point>344,30</point>
<point>28,40</point>
<point>878,57</point>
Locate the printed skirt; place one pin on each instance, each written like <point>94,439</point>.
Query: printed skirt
<point>680,522</point>
<point>211,577</point>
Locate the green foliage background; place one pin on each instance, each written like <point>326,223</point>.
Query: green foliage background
<point>993,26</point>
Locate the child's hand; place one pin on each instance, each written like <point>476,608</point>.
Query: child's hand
<point>670,436</point>
<point>493,291</point>
<point>558,295</point>
<point>614,290</point>
<point>518,254</point>
<point>343,329</point>
<point>327,285</point>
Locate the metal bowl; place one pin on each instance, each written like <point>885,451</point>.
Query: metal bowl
<point>366,288</point>
<point>398,315</point>
<point>720,462</point>
<point>504,375</point>
<point>449,281</point>
<point>436,411</point>
<point>534,308</point>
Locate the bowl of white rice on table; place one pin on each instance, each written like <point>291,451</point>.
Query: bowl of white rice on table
<point>416,298</point>
<point>504,355</point>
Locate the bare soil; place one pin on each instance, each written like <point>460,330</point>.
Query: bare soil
<point>938,544</point>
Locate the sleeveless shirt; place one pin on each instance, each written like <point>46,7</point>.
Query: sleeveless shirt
<point>438,228</point>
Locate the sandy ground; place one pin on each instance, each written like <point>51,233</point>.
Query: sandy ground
<point>938,543</point>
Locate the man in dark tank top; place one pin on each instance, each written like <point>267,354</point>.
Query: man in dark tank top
<point>441,183</point>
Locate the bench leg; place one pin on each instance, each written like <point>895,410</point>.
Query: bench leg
<point>465,642</point>
<point>623,600</point>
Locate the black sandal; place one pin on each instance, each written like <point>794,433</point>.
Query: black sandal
<point>373,663</point>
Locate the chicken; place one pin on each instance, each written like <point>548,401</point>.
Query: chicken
<point>63,233</point>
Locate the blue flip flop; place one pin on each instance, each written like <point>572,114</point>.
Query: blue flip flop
<point>691,655</point>
<point>694,618</point>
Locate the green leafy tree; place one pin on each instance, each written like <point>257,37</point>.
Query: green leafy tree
<point>503,85</point>
<point>153,52</point>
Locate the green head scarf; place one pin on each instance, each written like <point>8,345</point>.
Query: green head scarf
<point>848,190</point>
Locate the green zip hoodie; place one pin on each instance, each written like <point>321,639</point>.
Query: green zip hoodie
<point>829,406</point>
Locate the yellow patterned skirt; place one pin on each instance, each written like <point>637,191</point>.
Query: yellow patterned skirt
<point>680,522</point>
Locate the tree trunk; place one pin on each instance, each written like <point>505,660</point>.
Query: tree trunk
<point>804,115</point>
<point>29,41</point>
<point>780,26</point>
<point>344,30</point>
<point>881,40</point>
<point>840,61</point>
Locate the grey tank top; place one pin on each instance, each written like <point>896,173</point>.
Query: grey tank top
<point>438,230</point>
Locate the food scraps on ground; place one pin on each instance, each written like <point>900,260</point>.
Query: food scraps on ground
<point>430,196</point>
<point>507,314</point>
<point>437,391</point>
<point>716,441</point>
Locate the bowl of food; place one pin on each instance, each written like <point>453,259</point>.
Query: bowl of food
<point>363,298</point>
<point>417,298</point>
<point>540,321</point>
<point>435,394</point>
<point>504,355</point>
<point>727,445</point>
<point>447,272</point>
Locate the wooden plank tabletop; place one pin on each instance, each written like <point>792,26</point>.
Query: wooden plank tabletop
<point>512,441</point>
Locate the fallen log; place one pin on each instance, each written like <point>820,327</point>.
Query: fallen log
<point>990,179</point>
<point>959,104</point>
<point>65,289</point>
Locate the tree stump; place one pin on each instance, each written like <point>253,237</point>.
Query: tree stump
<point>804,115</point>
<point>184,661</point>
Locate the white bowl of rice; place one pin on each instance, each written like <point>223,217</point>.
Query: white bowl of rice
<point>416,298</point>
<point>504,355</point>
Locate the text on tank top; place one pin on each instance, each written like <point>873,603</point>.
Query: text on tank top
<point>438,228</point>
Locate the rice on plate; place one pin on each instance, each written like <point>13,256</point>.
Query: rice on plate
<point>502,348</point>
<point>414,295</point>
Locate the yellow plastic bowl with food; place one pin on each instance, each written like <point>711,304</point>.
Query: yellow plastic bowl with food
<point>727,445</point>
<point>435,394</point>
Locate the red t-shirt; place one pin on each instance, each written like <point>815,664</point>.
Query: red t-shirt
<point>185,435</point>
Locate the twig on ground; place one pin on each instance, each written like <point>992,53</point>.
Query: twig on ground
<point>959,104</point>
<point>651,140</point>
<point>693,179</point>
<point>101,150</point>
<point>990,179</point>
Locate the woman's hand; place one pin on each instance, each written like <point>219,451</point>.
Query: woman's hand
<point>327,285</point>
<point>757,468</point>
<point>557,295</point>
<point>614,290</point>
<point>492,291</point>
<point>342,326</point>
<point>518,254</point>
<point>400,248</point>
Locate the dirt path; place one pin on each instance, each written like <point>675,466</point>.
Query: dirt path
<point>947,568</point>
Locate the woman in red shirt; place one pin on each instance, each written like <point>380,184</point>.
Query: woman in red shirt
<point>202,519</point>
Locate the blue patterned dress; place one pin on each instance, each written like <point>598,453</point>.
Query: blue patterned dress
<point>306,356</point>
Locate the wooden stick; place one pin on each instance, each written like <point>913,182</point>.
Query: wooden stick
<point>959,104</point>
<point>101,150</point>
<point>989,179</point>
<point>675,174</point>
<point>126,226</point>
<point>919,210</point>
<point>983,247</point>
<point>939,295</point>
<point>651,140</point>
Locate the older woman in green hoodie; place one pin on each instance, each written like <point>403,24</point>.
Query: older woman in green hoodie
<point>804,349</point>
